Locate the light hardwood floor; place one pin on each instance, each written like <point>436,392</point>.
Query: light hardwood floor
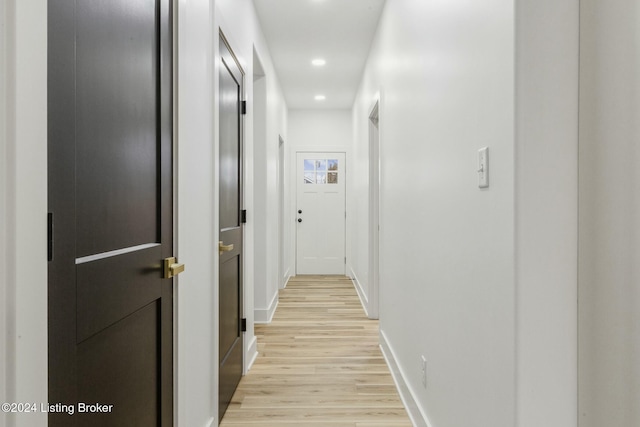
<point>319,364</point>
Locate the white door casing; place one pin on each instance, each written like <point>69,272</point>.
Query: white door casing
<point>374,212</point>
<point>320,213</point>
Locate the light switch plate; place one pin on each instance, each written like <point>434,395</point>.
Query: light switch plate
<point>483,167</point>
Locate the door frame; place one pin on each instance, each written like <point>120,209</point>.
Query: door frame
<point>374,210</point>
<point>23,234</point>
<point>294,198</point>
<point>282,270</point>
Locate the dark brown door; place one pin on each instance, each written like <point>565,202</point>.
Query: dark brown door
<point>231,78</point>
<point>110,199</point>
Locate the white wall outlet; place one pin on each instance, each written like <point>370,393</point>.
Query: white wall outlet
<point>423,361</point>
<point>483,167</point>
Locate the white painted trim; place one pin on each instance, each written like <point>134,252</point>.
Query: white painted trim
<point>251,355</point>
<point>416,414</point>
<point>546,206</point>
<point>320,149</point>
<point>286,277</point>
<point>196,296</point>
<point>265,315</point>
<point>373,293</point>
<point>212,423</point>
<point>281,189</point>
<point>4,220</point>
<point>25,183</point>
<point>361,293</point>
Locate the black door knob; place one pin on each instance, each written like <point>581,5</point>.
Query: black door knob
<point>299,210</point>
<point>299,219</point>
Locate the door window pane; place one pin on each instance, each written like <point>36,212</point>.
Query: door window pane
<point>320,171</point>
<point>309,177</point>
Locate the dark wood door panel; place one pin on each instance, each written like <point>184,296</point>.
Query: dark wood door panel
<point>110,189</point>
<point>229,377</point>
<point>115,287</point>
<point>117,104</point>
<point>229,150</point>
<point>229,303</point>
<point>120,367</point>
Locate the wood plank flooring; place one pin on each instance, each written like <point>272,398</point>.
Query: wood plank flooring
<point>319,364</point>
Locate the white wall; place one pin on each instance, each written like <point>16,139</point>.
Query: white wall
<point>268,112</point>
<point>265,299</point>
<point>445,71</point>
<point>609,291</point>
<point>23,194</point>
<point>320,129</point>
<point>454,272</point>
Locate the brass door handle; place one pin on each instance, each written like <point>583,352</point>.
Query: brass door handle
<point>224,248</point>
<point>171,268</point>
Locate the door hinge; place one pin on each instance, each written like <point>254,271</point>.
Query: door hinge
<point>50,236</point>
<point>243,107</point>
<point>243,325</point>
<point>243,216</point>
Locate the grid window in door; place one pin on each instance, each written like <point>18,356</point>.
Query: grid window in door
<point>321,171</point>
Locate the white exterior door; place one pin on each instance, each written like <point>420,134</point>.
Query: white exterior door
<point>320,213</point>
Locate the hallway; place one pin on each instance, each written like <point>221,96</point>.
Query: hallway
<point>319,364</point>
<point>491,156</point>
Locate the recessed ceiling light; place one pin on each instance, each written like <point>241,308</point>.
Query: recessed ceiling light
<point>318,62</point>
<point>320,97</point>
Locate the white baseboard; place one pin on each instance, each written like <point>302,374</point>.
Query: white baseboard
<point>287,276</point>
<point>363,297</point>
<point>265,315</point>
<point>212,423</point>
<point>252,354</point>
<point>418,417</point>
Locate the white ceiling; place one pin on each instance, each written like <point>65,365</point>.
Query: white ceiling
<point>339,31</point>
